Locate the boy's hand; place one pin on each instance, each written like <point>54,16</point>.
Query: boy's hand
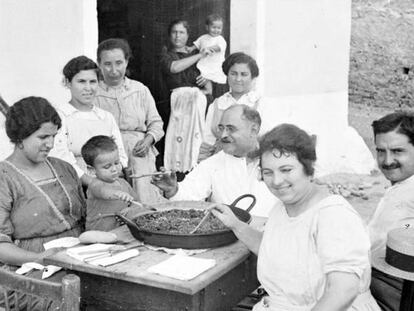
<point>124,196</point>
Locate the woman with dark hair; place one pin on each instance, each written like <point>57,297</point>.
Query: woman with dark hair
<point>314,251</point>
<point>186,112</point>
<point>241,71</point>
<point>41,197</point>
<point>133,107</point>
<point>81,119</point>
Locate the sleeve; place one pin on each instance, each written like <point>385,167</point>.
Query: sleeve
<point>166,61</point>
<point>197,43</point>
<point>222,44</point>
<point>342,241</point>
<point>209,137</point>
<point>197,185</point>
<point>6,203</point>
<point>61,147</point>
<point>153,120</point>
<point>116,134</point>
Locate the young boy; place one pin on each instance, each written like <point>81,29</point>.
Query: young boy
<point>100,153</point>
<point>210,66</point>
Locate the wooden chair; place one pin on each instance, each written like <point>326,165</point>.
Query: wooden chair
<point>66,294</point>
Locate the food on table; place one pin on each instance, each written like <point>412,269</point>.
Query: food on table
<point>178,221</point>
<point>94,236</point>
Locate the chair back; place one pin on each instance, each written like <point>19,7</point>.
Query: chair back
<point>21,292</point>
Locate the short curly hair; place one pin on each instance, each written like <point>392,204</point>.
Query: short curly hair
<point>27,116</point>
<point>290,139</point>
<point>114,43</point>
<point>240,58</point>
<point>76,65</point>
<point>401,122</point>
<point>95,146</point>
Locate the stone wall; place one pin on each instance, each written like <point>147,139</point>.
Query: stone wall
<point>382,53</point>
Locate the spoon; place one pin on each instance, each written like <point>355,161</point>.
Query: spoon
<point>201,222</point>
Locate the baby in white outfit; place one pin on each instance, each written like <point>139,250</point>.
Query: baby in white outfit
<point>210,66</point>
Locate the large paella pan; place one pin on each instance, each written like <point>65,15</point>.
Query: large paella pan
<point>169,226</point>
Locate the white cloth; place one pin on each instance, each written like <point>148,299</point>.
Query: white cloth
<point>182,267</point>
<point>296,253</point>
<point>6,147</point>
<point>216,109</point>
<point>185,130</point>
<point>222,178</point>
<point>77,128</point>
<point>395,210</point>
<point>210,66</point>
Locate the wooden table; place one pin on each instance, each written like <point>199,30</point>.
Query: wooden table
<point>129,286</point>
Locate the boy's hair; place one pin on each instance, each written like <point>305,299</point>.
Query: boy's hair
<point>213,18</point>
<point>95,146</point>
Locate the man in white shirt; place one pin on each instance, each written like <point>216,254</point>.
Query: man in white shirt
<point>229,173</point>
<point>394,139</point>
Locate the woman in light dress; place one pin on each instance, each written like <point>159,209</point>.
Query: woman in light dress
<point>133,107</point>
<point>314,252</point>
<point>241,71</point>
<point>81,119</point>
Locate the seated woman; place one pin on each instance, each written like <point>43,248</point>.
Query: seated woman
<point>314,251</point>
<point>187,102</point>
<point>81,120</point>
<point>241,71</point>
<point>133,107</point>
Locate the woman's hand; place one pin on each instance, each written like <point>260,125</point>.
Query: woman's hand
<point>47,253</point>
<point>226,215</point>
<point>201,81</point>
<point>142,146</point>
<point>166,182</point>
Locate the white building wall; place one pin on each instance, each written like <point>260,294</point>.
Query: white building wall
<point>302,48</point>
<point>38,37</point>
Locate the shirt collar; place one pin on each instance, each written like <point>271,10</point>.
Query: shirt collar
<point>126,85</point>
<point>69,110</point>
<point>407,181</point>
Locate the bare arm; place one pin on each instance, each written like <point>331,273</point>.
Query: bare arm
<point>13,255</point>
<point>182,64</point>
<point>340,291</point>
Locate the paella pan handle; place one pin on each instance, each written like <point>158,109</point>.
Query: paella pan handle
<point>242,197</point>
<point>127,221</point>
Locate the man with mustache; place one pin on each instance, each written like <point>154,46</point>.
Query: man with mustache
<point>394,140</point>
<point>229,173</point>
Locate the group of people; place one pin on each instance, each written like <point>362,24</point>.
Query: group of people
<point>314,251</point>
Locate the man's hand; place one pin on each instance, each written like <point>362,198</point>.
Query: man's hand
<point>166,182</point>
<point>201,81</point>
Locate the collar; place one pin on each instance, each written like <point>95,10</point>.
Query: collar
<point>68,110</point>
<point>249,99</point>
<point>407,181</point>
<point>126,85</point>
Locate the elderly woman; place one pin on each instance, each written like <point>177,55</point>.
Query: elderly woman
<point>314,251</point>
<point>41,197</point>
<point>133,107</point>
<point>241,71</point>
<point>81,120</point>
<point>188,103</point>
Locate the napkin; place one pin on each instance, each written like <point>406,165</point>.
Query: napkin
<point>47,270</point>
<point>61,242</point>
<point>102,254</point>
<point>113,259</point>
<point>182,267</point>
